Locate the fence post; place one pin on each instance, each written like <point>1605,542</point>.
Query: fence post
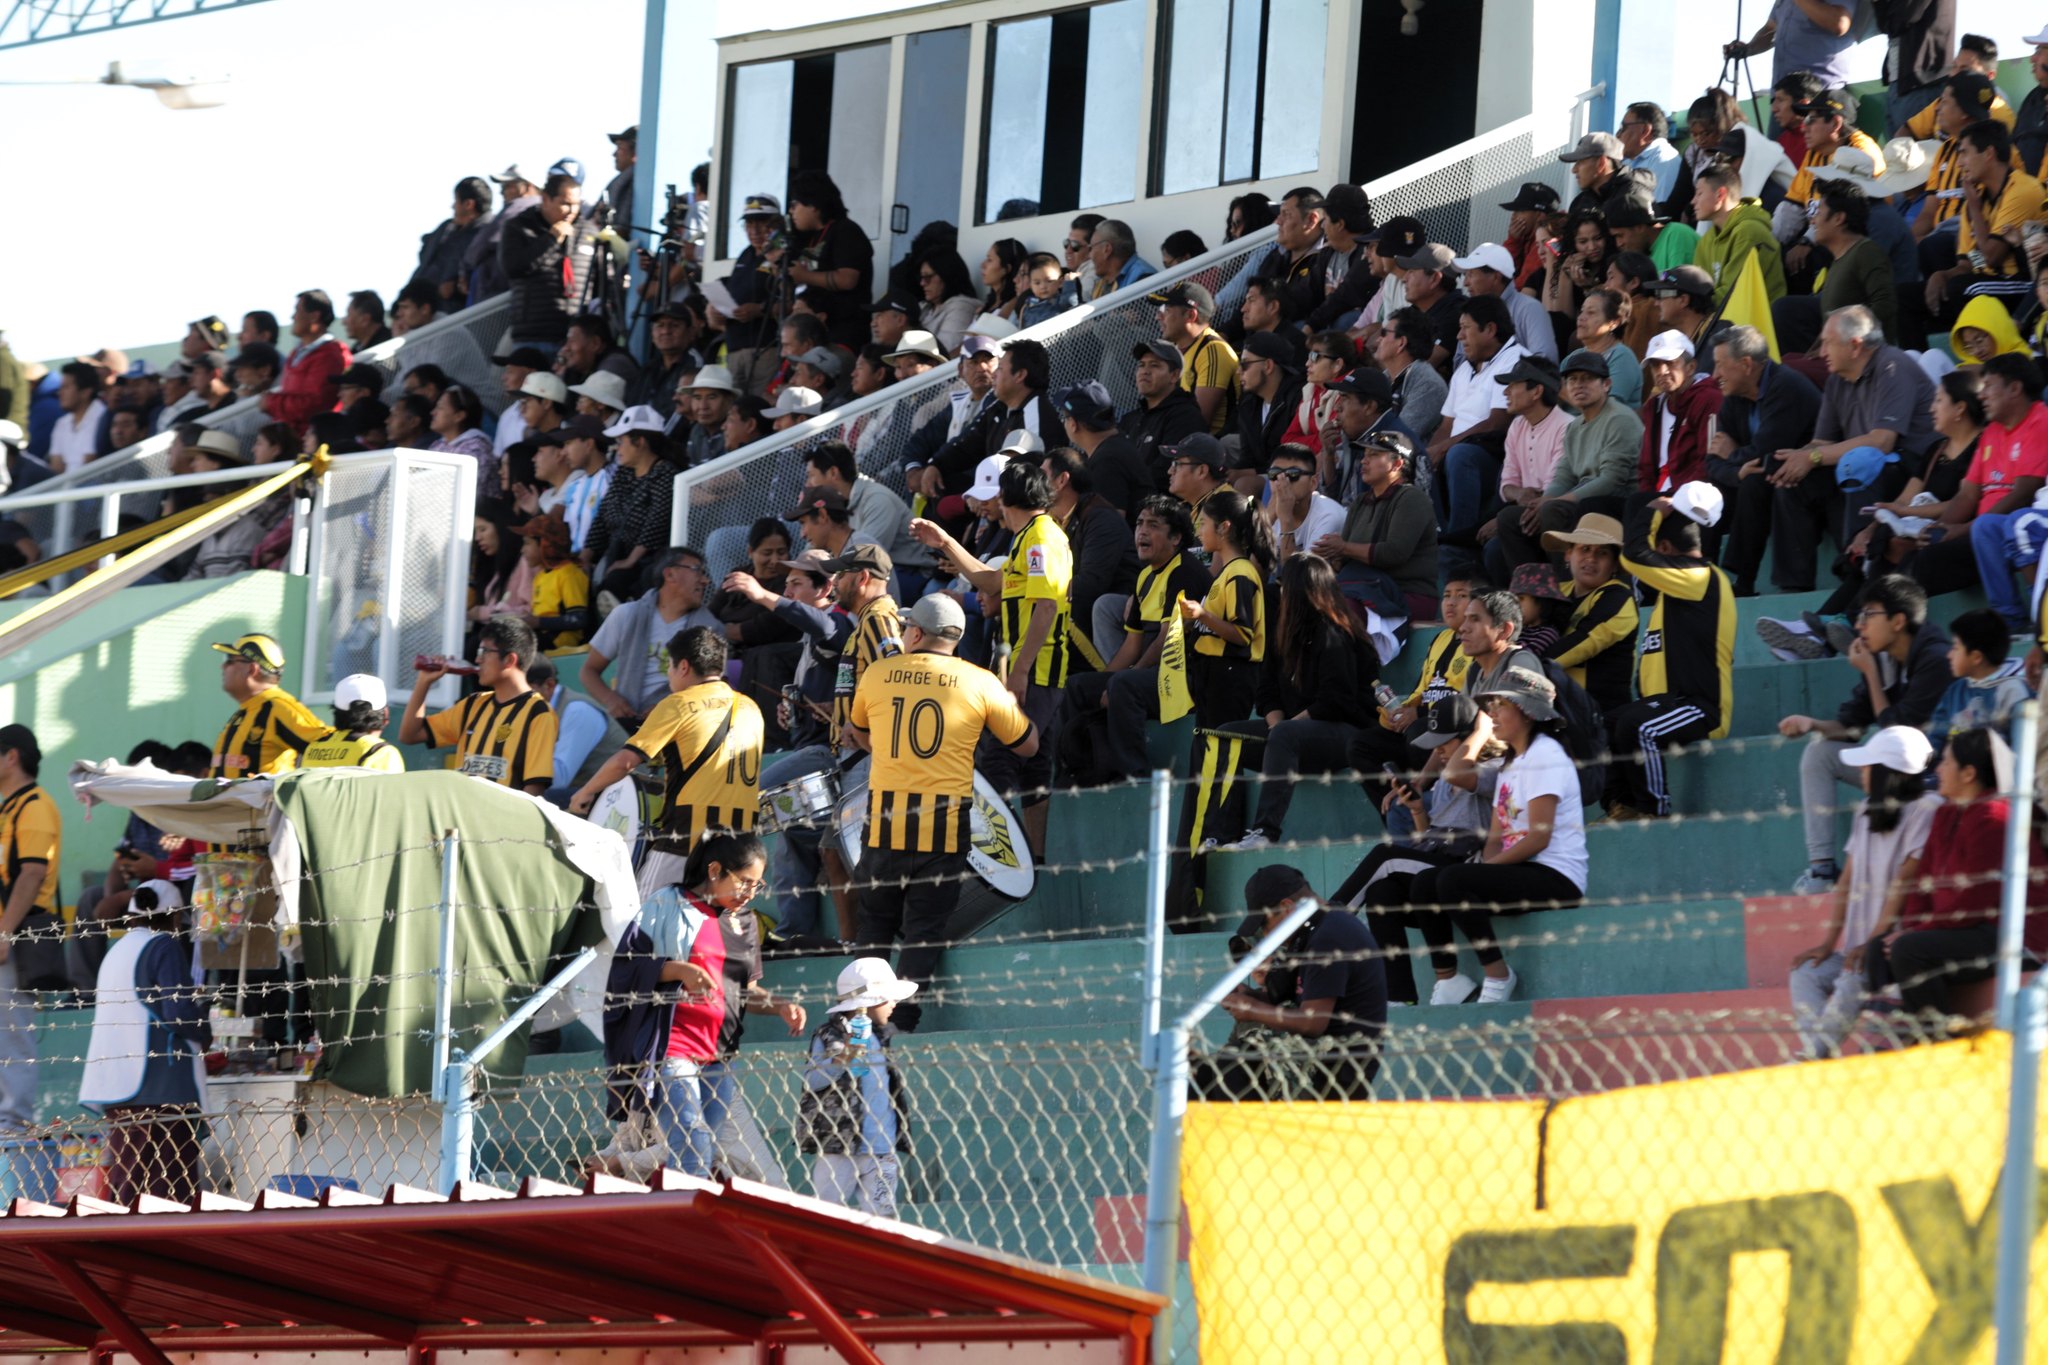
<point>444,971</point>
<point>458,1119</point>
<point>1162,1187</point>
<point>1156,873</point>
<point>2023,1014</point>
<point>2019,828</point>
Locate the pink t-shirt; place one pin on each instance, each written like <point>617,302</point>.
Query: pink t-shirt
<point>2005,455</point>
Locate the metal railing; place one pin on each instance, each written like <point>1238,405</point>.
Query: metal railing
<point>1456,194</point>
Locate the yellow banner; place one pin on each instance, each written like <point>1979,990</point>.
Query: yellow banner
<point>1175,700</point>
<point>1830,1212</point>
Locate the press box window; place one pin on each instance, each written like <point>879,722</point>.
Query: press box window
<point>1249,107</point>
<point>824,111</point>
<point>1059,127</point>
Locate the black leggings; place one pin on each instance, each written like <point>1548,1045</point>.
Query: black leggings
<point>1382,883</point>
<point>1928,964</point>
<point>1467,896</point>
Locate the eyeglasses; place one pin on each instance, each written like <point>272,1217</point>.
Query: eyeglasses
<point>1072,245</point>
<point>1186,464</point>
<point>926,276</point>
<point>1314,356</point>
<point>1289,475</point>
<point>747,886</point>
<point>1873,612</point>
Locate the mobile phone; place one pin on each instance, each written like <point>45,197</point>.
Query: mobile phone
<point>1554,247</point>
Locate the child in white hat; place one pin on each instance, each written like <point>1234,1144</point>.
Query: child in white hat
<point>853,1117</point>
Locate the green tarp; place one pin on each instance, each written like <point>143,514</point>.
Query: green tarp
<point>370,912</point>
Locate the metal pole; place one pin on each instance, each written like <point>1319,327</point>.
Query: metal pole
<point>2019,825</point>
<point>2016,1186</point>
<point>458,1119</point>
<point>444,971</point>
<point>1155,919</point>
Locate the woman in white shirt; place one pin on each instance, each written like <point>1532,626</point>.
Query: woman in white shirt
<point>1535,856</point>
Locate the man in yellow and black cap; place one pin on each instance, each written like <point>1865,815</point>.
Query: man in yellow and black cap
<point>270,727</point>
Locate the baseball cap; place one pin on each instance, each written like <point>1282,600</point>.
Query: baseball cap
<point>1685,279</point>
<point>812,561</point>
<point>823,359</point>
<point>1594,528</point>
<point>1186,294</point>
<point>22,740</point>
<point>1586,362</point>
<point>1428,256</point>
<point>715,377</point>
<point>631,134</point>
<point>796,401</point>
<point>525,357</point>
<point>1489,256</point>
<point>1444,719</point>
<point>639,417</point>
<point>361,687</point>
<point>988,478</point>
<point>1533,369</point>
<point>1274,884</point>
<point>1862,467</point>
<point>1668,346</point>
<point>360,377</point>
<point>140,369</point>
<point>923,345</point>
<point>1271,346</point>
<point>1592,145</point>
<point>1202,448</point>
<point>937,614</point>
<point>817,498</point>
<point>585,425</point>
<point>873,558</point>
<point>1020,443</point>
<point>1365,383</point>
<point>1087,403</point>
<point>1399,236</point>
<point>1902,748</point>
<point>516,172</point>
<point>761,206</point>
<point>1529,690</point>
<point>1160,348</point>
<point>545,384</point>
<point>568,166</point>
<point>1697,501</point>
<point>107,358</point>
<point>2038,40</point>
<point>978,345</point>
<point>1628,210</point>
<point>212,329</point>
<point>895,301</point>
<point>256,648</point>
<point>1395,443</point>
<point>1533,196</point>
<point>1837,101</point>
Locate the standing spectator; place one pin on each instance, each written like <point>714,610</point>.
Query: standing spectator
<point>1469,444</point>
<point>1535,443</point>
<point>1916,57</point>
<point>1901,662</point>
<point>1732,229</point>
<point>1684,404</point>
<point>1387,555</point>
<point>1644,135</point>
<point>854,1117</point>
<point>1113,251</point>
<point>750,330</point>
<point>1810,36</point>
<point>310,383</point>
<point>31,867</point>
<point>1880,865</point>
<point>504,732</point>
<point>637,636</point>
<point>831,265</point>
<point>520,192</point>
<point>363,321</point>
<point>1685,673</point>
<point>1116,468</point>
<point>949,303</point>
<point>632,522</point>
<point>2030,127</point>
<point>546,253</point>
<point>270,727</point>
<point>75,440</point>
<point>1403,350</point>
<point>444,250</point>
<point>1766,407</point>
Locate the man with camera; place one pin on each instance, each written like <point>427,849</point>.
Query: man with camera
<point>1326,984</point>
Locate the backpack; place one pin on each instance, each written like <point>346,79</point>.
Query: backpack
<point>1585,733</point>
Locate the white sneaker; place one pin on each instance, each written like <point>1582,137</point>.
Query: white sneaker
<point>1251,843</point>
<point>1811,883</point>
<point>1452,990</point>
<point>1497,988</point>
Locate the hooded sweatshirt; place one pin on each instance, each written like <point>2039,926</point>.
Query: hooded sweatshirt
<point>1723,249</point>
<point>1986,314</point>
<point>1661,468</point>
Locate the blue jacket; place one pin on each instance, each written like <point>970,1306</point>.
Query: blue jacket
<point>639,1007</point>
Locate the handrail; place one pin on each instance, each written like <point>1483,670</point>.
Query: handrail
<point>161,483</point>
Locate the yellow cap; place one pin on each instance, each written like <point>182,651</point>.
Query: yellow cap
<point>260,650</point>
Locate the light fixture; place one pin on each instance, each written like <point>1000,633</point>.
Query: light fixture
<point>1410,25</point>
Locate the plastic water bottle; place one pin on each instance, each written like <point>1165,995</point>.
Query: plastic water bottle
<point>859,1030</point>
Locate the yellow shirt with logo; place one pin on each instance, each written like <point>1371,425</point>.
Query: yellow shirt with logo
<point>924,714</point>
<point>2019,201</point>
<point>1040,569</point>
<point>711,768</point>
<point>265,735</point>
<point>31,832</point>
<point>560,589</point>
<point>1211,364</point>
<point>511,742</point>
<point>337,750</point>
<point>1238,596</point>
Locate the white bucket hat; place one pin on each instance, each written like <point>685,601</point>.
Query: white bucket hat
<point>603,387</point>
<point>869,981</point>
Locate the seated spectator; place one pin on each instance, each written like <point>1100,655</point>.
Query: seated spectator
<point>1364,405</point>
<point>1902,673</point>
<point>1168,571</point>
<point>1113,251</point>
<point>1098,537</point>
<point>1685,672</point>
<point>1998,200</point>
<point>367,418</point>
<point>75,440</point>
<point>601,395</point>
<point>1544,608</point>
<point>1596,646</point>
<point>701,403</point>
<point>747,422</point>
<point>1601,171</point>
<point>1445,666</point>
<point>1984,329</point>
<point>1431,286</point>
<point>1181,246</point>
<point>1765,407</point>
<point>414,308</point>
<point>1267,405</point>
<point>1859,270</point>
<point>1268,307</point>
<point>1208,368</point>
<point>1581,264</point>
<point>2007,476</point>
<point>1733,229</point>
<point>1002,276</point>
<point>1403,350</point>
<point>1385,286</point>
<point>1048,296</point>
<point>638,632</point>
<point>407,426</point>
<point>1684,305</point>
<point>793,406</point>
<point>1683,408</point>
<point>1828,123</point>
<point>1167,414</point>
<point>1630,274</point>
<point>1535,441</point>
<point>875,515</point>
<point>1532,205</point>
<point>1386,556</point>
<point>632,522</point>
<point>1115,467</point>
<point>1018,389</point>
<point>357,382</point>
<point>500,575</point>
<point>560,615</point>
<point>1490,271</point>
<point>1945,935</point>
<point>125,427</point>
<point>1880,865</point>
<point>1602,318</point>
<point>948,298</point>
<point>1330,356</point>
<point>1636,226</point>
<point>1595,470</point>
<point>1988,684</point>
<point>1301,516</point>
<point>362,322</point>
<point>1470,443</point>
<point>1535,854</point>
<point>308,383</point>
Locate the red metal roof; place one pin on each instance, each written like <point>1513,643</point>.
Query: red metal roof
<point>680,1262</point>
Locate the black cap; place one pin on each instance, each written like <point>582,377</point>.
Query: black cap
<point>673,308</point>
<point>361,377</point>
<point>1836,101</point>
<point>873,558</point>
<point>629,135</point>
<point>1349,205</point>
<point>22,741</point>
<point>1444,718</point>
<point>260,354</point>
<point>817,499</point>
<point>1973,92</point>
<point>583,425</point>
<point>1273,884</point>
<point>1201,448</point>
<point>1533,196</point>
<point>1160,347</point>
<point>1401,237</point>
<point>1533,369</point>
<point>1586,362</point>
<point>1271,346</point>
<point>1629,210</point>
<point>1685,279</point>
<point>525,357</point>
<point>1087,403</point>
<point>1186,294</point>
<point>895,301</point>
<point>1365,383</point>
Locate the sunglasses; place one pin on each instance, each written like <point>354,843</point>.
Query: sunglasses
<point>1289,475</point>
<point>1072,245</point>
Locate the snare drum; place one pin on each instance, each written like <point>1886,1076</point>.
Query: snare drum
<point>803,804</point>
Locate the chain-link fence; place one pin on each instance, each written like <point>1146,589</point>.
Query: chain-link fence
<point>1457,195</point>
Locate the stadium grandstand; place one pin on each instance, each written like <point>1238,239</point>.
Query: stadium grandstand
<point>1104,700</point>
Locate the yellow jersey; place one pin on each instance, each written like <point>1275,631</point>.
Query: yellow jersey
<point>924,714</point>
<point>709,740</point>
<point>877,634</point>
<point>337,750</point>
<point>1040,568</point>
<point>1801,188</point>
<point>30,832</point>
<point>2019,200</point>
<point>1238,596</point>
<point>1210,364</point>
<point>555,591</point>
<point>265,735</point>
<point>511,743</point>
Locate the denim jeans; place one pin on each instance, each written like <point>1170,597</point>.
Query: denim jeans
<point>682,1117</point>
<point>1468,481</point>
<point>17,1053</point>
<point>743,1150</point>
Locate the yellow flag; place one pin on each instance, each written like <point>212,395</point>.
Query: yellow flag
<point>1175,700</point>
<point>1749,305</point>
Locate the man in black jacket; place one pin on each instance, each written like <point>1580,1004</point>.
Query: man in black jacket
<point>1105,557</point>
<point>1271,390</point>
<point>1022,377</point>
<point>442,251</point>
<point>1115,467</point>
<point>1766,408</point>
<point>546,253</point>
<point>1166,414</point>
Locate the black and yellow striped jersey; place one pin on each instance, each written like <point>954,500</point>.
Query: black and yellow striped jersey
<point>1689,648</point>
<point>31,831</point>
<point>1158,589</point>
<point>877,634</point>
<point>1444,668</point>
<point>708,738</point>
<point>1598,645</point>
<point>924,714</point>
<point>511,743</point>
<point>266,735</point>
<point>337,750</point>
<point>1238,596</point>
<point>1040,569</point>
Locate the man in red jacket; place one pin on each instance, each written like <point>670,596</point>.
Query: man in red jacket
<point>309,386</point>
<point>1683,406</point>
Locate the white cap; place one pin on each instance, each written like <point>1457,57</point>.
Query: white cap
<point>797,401</point>
<point>1902,748</point>
<point>1668,346</point>
<point>357,687</point>
<point>11,433</point>
<point>990,326</point>
<point>1697,501</point>
<point>715,377</point>
<point>867,981</point>
<point>639,417</point>
<point>1490,255</point>
<point>603,387</point>
<point>2038,40</point>
<point>1021,442</point>
<point>988,478</point>
<point>545,384</point>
